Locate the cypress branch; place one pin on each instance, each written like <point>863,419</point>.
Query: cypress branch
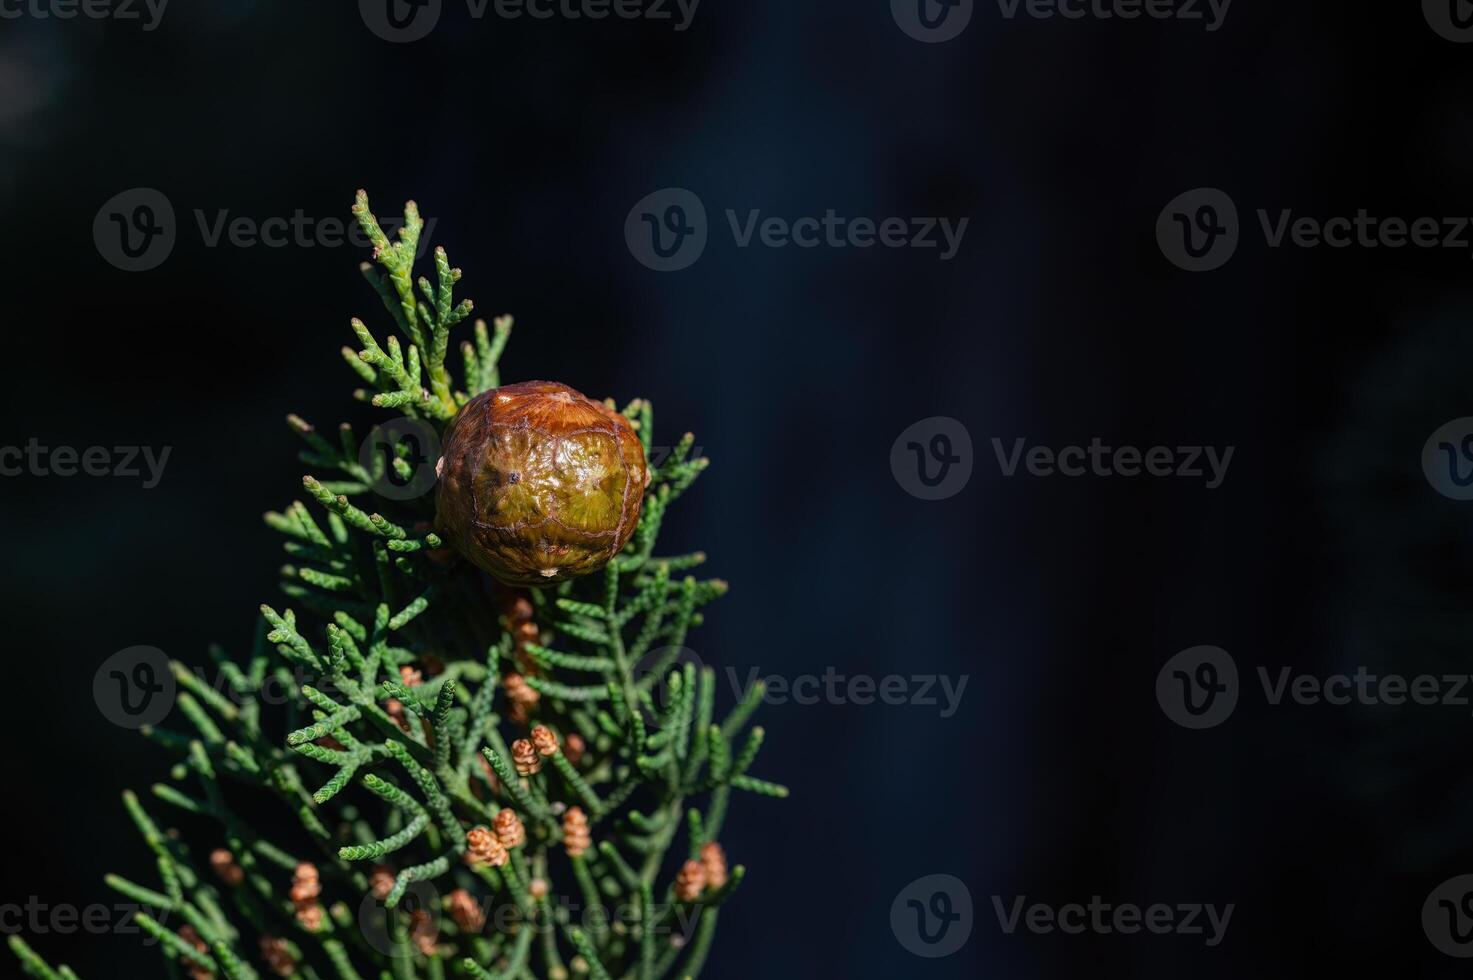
<point>397,654</point>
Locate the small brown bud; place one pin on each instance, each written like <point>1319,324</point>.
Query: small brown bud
<point>519,610</point>
<point>423,931</point>
<point>544,741</point>
<point>483,847</point>
<point>190,936</point>
<point>518,690</point>
<point>305,888</point>
<point>527,761</point>
<point>576,839</point>
<point>538,888</point>
<point>223,863</point>
<point>509,829</point>
<point>573,746</point>
<point>381,882</point>
<point>410,677</point>
<point>310,916</point>
<point>713,863</point>
<point>395,710</point>
<point>466,911</point>
<point>277,956</point>
<point>522,697</point>
<point>690,882</point>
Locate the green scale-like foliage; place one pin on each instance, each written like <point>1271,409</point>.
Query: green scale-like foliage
<point>381,773</point>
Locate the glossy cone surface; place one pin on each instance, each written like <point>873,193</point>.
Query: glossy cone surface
<point>539,483</point>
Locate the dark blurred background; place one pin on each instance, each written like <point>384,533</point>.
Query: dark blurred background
<point>1059,320</point>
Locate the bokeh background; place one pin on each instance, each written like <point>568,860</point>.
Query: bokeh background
<point>1059,320</point>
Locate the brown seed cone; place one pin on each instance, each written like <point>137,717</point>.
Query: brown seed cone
<point>518,691</point>
<point>192,937</point>
<point>539,483</point>
<point>713,863</point>
<point>544,741</point>
<point>310,916</point>
<point>410,677</point>
<point>576,838</point>
<point>305,876</point>
<point>509,829</point>
<point>381,882</point>
<point>525,757</point>
<point>690,881</point>
<point>573,747</point>
<point>394,708</point>
<point>277,956</point>
<point>518,608</point>
<point>521,696</point>
<point>483,847</point>
<point>423,931</point>
<point>466,911</point>
<point>224,866</point>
